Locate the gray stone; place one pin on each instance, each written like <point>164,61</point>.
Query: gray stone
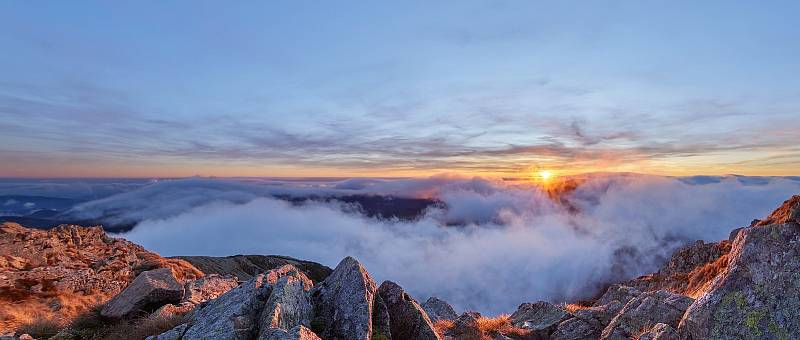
<point>150,290</point>
<point>619,293</point>
<point>288,306</point>
<point>645,310</point>
<point>233,315</point>
<point>660,331</point>
<point>438,309</point>
<point>299,332</point>
<point>172,334</point>
<point>757,296</point>
<point>343,303</point>
<point>408,319</point>
<point>540,318</point>
<point>587,323</point>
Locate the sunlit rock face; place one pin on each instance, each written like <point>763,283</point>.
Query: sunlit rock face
<point>61,272</point>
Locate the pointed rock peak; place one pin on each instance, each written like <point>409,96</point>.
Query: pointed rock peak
<point>439,309</point>
<point>344,302</point>
<point>788,212</point>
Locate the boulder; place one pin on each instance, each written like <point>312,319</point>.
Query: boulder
<point>660,331</point>
<point>150,290</point>
<point>587,323</point>
<point>757,295</point>
<point>465,327</point>
<point>645,310</point>
<point>343,303</point>
<point>539,318</point>
<point>619,293</point>
<point>288,306</point>
<point>438,309</point>
<point>407,318</point>
<point>299,332</point>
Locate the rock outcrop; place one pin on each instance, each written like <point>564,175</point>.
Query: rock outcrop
<point>407,318</point>
<point>539,318</point>
<point>660,331</point>
<point>644,310</point>
<point>61,273</point>
<point>241,314</point>
<point>439,309</point>
<point>343,303</point>
<point>758,294</point>
<point>151,289</point>
<point>288,306</point>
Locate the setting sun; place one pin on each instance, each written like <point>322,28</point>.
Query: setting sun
<point>545,175</point>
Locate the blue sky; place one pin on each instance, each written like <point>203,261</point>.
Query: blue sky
<point>353,88</point>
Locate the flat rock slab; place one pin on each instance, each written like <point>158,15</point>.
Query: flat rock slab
<point>150,290</point>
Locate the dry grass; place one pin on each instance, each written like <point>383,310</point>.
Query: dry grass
<point>18,313</point>
<point>701,277</point>
<point>499,324</point>
<point>41,328</point>
<point>441,326</point>
<point>574,307</point>
<point>92,325</point>
<point>142,328</point>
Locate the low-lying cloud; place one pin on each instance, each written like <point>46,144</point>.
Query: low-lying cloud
<point>514,244</point>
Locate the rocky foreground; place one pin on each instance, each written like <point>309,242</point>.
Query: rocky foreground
<point>745,287</point>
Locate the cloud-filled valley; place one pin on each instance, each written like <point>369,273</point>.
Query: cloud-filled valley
<point>478,243</point>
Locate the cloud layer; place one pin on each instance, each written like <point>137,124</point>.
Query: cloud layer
<point>514,243</point>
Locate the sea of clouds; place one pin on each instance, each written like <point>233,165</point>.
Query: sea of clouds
<point>513,244</point>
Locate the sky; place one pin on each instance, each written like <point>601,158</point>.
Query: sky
<point>413,88</point>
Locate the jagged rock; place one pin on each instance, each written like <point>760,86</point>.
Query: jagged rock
<point>539,318</point>
<point>150,290</point>
<point>245,267</point>
<point>689,269</point>
<point>438,309</point>
<point>343,303</point>
<point>233,315</point>
<point>576,329</point>
<point>757,295</point>
<point>408,319</point>
<point>381,325</point>
<point>207,288</point>
<point>289,304</point>
<point>465,327</point>
<point>644,310</point>
<point>297,333</point>
<point>660,331</point>
<point>172,334</point>
<point>788,212</point>
<point>619,293</point>
<point>587,323</point>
